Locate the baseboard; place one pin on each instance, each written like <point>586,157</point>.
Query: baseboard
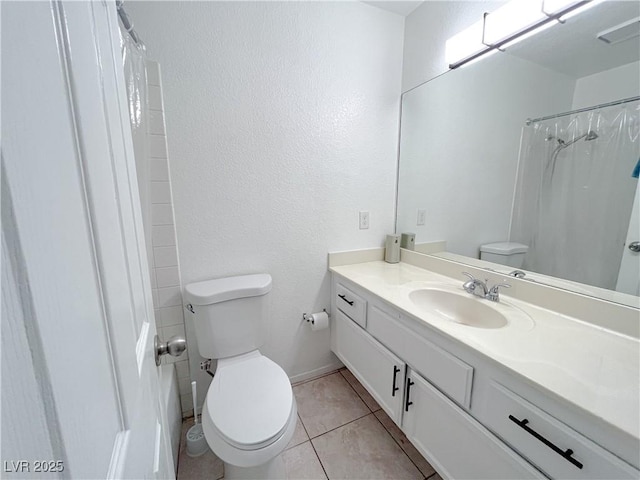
<point>318,372</point>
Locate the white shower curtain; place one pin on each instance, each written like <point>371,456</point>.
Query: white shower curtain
<point>134,62</point>
<point>574,212</point>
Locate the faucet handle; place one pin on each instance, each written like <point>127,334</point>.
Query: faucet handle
<point>498,285</point>
<point>494,293</point>
<point>470,285</point>
<point>471,277</point>
<point>517,274</point>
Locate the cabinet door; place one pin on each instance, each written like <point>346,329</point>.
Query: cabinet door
<point>452,441</point>
<point>379,370</point>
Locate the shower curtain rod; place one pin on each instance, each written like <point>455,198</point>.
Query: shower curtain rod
<point>580,110</point>
<point>126,22</point>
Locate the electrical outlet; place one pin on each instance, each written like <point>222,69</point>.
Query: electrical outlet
<point>422,217</point>
<point>364,220</point>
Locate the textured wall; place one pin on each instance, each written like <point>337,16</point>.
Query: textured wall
<point>282,123</point>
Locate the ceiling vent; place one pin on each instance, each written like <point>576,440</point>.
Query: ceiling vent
<point>622,32</point>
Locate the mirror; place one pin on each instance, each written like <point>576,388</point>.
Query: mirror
<point>490,153</point>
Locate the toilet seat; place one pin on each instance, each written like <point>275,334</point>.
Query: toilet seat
<point>250,401</point>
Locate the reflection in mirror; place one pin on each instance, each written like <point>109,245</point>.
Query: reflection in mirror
<point>538,147</point>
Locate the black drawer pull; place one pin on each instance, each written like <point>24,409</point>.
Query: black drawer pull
<point>344,297</point>
<point>394,389</point>
<point>566,454</point>
<point>407,402</point>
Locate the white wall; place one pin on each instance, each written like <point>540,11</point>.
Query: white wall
<point>282,123</point>
<point>427,29</point>
<point>607,86</point>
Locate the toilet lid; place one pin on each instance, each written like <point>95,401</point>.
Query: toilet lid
<point>250,402</point>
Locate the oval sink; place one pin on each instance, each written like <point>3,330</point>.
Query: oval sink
<point>458,308</point>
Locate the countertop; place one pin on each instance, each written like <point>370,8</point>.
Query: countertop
<point>593,368</point>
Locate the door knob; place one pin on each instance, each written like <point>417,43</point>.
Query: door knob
<point>174,347</point>
<point>634,247</point>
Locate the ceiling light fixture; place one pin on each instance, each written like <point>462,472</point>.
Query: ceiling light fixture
<point>509,24</point>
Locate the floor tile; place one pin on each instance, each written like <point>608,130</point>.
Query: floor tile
<point>363,450</point>
<point>299,436</point>
<point>416,457</point>
<point>327,403</point>
<point>207,466</point>
<point>360,390</point>
<point>301,463</point>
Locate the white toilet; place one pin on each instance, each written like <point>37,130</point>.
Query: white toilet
<point>249,414</point>
<point>504,253</point>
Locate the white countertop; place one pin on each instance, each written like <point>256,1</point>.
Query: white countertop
<point>590,367</point>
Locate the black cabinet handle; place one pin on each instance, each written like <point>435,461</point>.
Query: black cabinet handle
<point>394,389</point>
<point>408,402</point>
<point>566,454</point>
<point>344,297</point>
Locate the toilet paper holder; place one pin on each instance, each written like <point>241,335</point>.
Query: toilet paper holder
<point>309,317</point>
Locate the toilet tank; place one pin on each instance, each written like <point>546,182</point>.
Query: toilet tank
<point>504,253</point>
<point>229,314</point>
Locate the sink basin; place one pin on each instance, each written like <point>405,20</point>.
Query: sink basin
<point>461,309</point>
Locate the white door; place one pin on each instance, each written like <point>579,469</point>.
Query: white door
<point>629,274</point>
<point>80,389</point>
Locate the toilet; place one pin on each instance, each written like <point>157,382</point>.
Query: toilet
<point>504,253</point>
<point>249,413</point>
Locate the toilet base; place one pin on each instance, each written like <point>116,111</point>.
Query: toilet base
<point>272,470</point>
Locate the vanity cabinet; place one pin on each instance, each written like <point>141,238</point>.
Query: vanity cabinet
<point>393,367</point>
<point>552,446</point>
<point>467,414</point>
<point>453,441</point>
<point>447,372</point>
<point>379,370</point>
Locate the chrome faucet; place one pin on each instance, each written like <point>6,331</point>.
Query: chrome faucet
<point>475,286</point>
<point>479,288</point>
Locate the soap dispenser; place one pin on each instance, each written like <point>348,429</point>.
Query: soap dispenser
<point>392,248</point>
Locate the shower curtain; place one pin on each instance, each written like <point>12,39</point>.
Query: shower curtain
<point>573,210</point>
<point>134,60</point>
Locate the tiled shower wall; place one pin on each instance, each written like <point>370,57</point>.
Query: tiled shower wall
<point>165,274</point>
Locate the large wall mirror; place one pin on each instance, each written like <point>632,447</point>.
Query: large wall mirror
<point>538,145</point>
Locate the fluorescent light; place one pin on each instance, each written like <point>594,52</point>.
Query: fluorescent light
<point>511,19</point>
<point>511,23</point>
<point>487,54</point>
<point>465,44</point>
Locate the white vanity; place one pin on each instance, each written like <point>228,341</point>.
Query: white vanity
<point>506,389</point>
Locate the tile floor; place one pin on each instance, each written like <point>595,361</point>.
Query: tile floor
<point>341,434</point>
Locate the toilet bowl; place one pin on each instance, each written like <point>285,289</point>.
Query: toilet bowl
<point>249,413</point>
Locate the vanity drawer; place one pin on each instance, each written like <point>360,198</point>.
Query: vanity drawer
<point>450,374</point>
<point>552,446</point>
<point>354,306</point>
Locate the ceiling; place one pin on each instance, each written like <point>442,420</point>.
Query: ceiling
<point>401,7</point>
<point>572,48</point>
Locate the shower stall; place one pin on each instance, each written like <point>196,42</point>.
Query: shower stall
<point>575,192</point>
